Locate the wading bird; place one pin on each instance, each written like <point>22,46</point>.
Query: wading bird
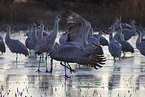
<point>76,50</point>
<point>128,33</point>
<point>114,46</point>
<point>2,45</point>
<point>14,45</point>
<point>126,46</point>
<point>102,40</point>
<point>27,41</point>
<point>140,43</point>
<point>47,43</point>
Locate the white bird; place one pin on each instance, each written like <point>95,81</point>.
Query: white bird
<point>14,45</point>
<point>47,43</point>
<point>76,49</point>
<point>2,45</point>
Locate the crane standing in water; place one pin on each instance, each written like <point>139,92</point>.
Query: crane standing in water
<point>14,45</point>
<point>114,46</point>
<point>47,43</point>
<point>140,43</point>
<point>126,46</point>
<point>76,49</point>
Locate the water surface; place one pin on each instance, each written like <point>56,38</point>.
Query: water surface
<point>124,78</point>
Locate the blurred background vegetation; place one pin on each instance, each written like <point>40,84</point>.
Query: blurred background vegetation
<point>100,13</point>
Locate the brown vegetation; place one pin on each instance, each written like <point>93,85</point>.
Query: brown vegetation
<point>100,13</point>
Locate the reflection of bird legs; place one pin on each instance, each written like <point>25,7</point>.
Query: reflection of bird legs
<point>71,70</point>
<point>38,70</point>
<point>16,57</point>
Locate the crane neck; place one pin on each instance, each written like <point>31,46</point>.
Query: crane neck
<point>40,35</point>
<point>34,33</point>
<point>139,37</point>
<point>53,34</point>
<point>111,34</point>
<point>8,33</point>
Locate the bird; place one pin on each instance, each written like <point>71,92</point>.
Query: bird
<point>47,43</point>
<point>126,46</point>
<point>15,46</point>
<point>95,40</point>
<point>128,33</point>
<point>75,50</point>
<point>103,41</point>
<point>34,38</point>
<point>28,39</point>
<point>118,22</point>
<point>114,46</point>
<point>2,45</point>
<point>140,43</point>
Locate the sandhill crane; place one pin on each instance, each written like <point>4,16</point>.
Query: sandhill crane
<point>27,41</point>
<point>14,45</point>
<point>103,41</point>
<point>127,30</point>
<point>126,46</point>
<point>100,39</point>
<point>47,43</point>
<point>128,33</point>
<point>76,50</point>
<point>140,43</point>
<point>2,45</point>
<point>114,46</point>
<point>118,22</point>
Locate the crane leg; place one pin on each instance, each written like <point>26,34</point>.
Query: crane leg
<point>51,68</point>
<point>66,76</point>
<point>16,58</point>
<point>46,63</point>
<point>71,70</point>
<point>66,66</point>
<point>38,70</point>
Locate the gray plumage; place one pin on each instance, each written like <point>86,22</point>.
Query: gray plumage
<point>102,40</point>
<point>34,38</point>
<point>128,33</point>
<point>140,43</point>
<point>47,43</point>
<point>28,39</point>
<point>118,22</point>
<point>2,45</point>
<point>114,46</point>
<point>95,40</point>
<point>126,46</point>
<point>40,32</point>
<point>14,45</point>
<point>76,49</point>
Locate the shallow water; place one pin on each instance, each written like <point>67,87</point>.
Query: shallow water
<point>124,78</point>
